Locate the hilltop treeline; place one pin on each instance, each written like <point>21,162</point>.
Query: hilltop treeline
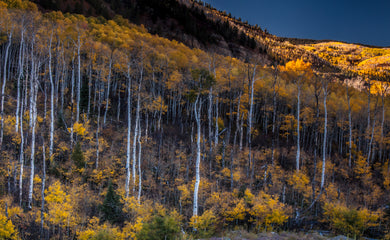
<point>110,132</point>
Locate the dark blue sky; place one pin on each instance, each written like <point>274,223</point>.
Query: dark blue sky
<point>366,22</point>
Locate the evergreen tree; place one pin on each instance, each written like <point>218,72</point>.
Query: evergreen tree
<point>78,157</point>
<point>112,207</point>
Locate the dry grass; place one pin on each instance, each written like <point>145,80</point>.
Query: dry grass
<point>241,235</point>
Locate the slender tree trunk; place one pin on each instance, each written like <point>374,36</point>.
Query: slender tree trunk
<point>33,116</point>
<point>128,132</point>
<point>78,79</point>
<point>20,75</point>
<point>382,123</point>
<point>298,125</point>
<point>3,86</point>
<point>43,189</point>
<point>234,150</point>
<point>369,153</point>
<point>51,148</point>
<point>350,129</point>
<point>139,164</point>
<point>216,123</point>
<point>21,155</point>
<point>274,115</point>
<point>108,92</point>
<point>325,137</point>
<point>118,112</point>
<point>137,113</point>
<point>197,110</point>
<point>368,114</point>
<point>72,106</point>
<point>249,133</point>
<point>210,109</point>
<point>98,127</point>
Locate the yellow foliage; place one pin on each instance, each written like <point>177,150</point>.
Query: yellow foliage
<point>238,212</point>
<point>7,229</point>
<point>248,196</point>
<point>379,88</point>
<point>185,195</point>
<point>299,181</point>
<point>361,169</point>
<point>60,206</point>
<point>267,212</point>
<point>225,172</point>
<point>349,221</point>
<point>79,129</point>
<point>96,231</point>
<point>157,105</point>
<point>130,230</point>
<point>205,222</point>
<point>175,81</point>
<point>299,68</point>
<point>237,176</point>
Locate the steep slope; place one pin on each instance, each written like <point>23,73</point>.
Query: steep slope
<point>107,131</point>
<point>200,25</point>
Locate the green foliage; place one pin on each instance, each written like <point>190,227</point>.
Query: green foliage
<point>203,79</point>
<point>78,156</point>
<point>103,234</point>
<point>160,228</point>
<point>112,207</point>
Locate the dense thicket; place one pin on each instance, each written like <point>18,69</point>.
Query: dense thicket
<point>99,115</point>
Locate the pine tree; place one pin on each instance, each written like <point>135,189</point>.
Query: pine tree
<point>112,207</point>
<point>78,157</point>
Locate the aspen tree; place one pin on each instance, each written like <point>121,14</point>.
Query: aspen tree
<point>5,67</point>
<point>128,152</point>
<point>325,90</point>
<point>197,110</point>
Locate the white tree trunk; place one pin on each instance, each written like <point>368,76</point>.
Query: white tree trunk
<point>216,123</point>
<point>197,110</point>
<point>350,129</point>
<point>136,133</point>
<point>210,118</point>
<point>3,85</point>
<point>51,102</point>
<point>251,167</point>
<point>108,92</point>
<point>72,105</point>
<point>20,69</point>
<point>139,164</point>
<point>33,120</point>
<point>128,132</point>
<point>98,128</point>
<point>274,115</point>
<point>21,156</point>
<point>298,125</point>
<point>78,80</point>
<point>325,135</point>
<point>43,187</point>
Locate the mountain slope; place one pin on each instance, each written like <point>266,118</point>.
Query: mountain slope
<point>200,25</point>
<point>111,132</point>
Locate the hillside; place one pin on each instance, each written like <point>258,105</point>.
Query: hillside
<point>199,25</point>
<point>110,132</point>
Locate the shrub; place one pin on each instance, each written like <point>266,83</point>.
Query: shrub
<point>160,228</point>
<point>349,221</point>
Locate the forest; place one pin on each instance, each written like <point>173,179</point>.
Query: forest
<point>110,132</point>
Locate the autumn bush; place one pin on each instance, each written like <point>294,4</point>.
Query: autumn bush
<point>7,229</point>
<point>349,221</point>
<point>160,228</point>
<point>203,226</point>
